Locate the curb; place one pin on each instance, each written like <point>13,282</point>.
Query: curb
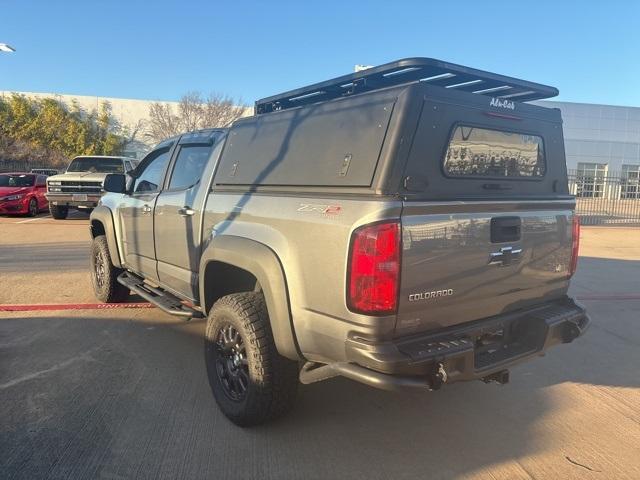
<point>71,306</point>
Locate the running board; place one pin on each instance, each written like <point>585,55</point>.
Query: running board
<point>165,301</point>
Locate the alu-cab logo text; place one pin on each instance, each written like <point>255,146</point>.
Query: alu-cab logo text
<point>497,102</point>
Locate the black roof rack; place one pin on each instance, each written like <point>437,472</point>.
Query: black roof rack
<point>409,70</point>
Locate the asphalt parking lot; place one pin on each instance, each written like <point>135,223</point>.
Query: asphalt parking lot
<point>123,393</point>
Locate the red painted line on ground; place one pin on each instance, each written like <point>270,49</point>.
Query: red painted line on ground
<point>71,306</point>
<point>112,306</point>
<point>622,296</point>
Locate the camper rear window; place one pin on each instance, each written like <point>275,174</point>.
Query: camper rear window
<point>480,152</point>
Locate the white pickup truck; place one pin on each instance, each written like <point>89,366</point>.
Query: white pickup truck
<point>80,186</point>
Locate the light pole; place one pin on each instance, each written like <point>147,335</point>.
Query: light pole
<point>6,48</point>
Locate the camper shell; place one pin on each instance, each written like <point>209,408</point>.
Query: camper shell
<point>386,130</point>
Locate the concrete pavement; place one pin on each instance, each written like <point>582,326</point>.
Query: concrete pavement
<point>123,394</point>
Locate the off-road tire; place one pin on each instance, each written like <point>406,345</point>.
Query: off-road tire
<point>58,212</point>
<point>273,379</point>
<point>104,274</point>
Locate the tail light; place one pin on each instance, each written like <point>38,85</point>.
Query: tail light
<point>575,245</point>
<point>374,268</point>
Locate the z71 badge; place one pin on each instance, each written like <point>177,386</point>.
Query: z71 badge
<point>317,208</point>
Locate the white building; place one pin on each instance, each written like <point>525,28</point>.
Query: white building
<point>599,139</point>
<point>602,144</point>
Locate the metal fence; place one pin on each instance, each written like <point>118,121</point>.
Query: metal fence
<point>20,165</point>
<point>606,198</point>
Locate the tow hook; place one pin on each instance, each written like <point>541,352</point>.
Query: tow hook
<point>501,377</point>
<point>439,377</point>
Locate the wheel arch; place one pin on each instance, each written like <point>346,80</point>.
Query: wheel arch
<point>232,264</point>
<point>101,223</point>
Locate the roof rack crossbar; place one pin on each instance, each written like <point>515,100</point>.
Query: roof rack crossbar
<point>409,70</point>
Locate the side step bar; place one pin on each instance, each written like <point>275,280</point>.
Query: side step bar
<point>163,300</point>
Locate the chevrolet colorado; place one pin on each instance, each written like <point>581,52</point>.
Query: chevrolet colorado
<point>406,226</point>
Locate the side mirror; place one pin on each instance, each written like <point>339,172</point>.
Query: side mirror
<point>115,183</point>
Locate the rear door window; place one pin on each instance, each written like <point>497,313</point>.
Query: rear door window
<point>481,152</point>
<point>189,166</point>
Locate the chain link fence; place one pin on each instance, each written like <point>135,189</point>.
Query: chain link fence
<point>605,197</point>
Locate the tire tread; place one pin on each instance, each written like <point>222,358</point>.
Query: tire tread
<point>276,376</point>
<point>113,292</point>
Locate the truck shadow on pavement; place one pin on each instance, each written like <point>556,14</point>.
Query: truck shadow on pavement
<point>126,396</point>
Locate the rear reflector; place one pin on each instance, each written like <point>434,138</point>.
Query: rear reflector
<point>374,266</point>
<point>575,244</point>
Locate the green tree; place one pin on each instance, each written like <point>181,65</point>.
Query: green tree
<point>48,132</point>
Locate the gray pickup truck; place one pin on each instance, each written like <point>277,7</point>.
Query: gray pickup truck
<point>80,186</point>
<point>406,226</point>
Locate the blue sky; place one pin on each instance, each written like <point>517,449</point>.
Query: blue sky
<point>161,49</point>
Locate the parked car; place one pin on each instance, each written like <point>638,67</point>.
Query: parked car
<point>407,226</point>
<point>45,171</point>
<point>22,193</point>
<point>80,187</point>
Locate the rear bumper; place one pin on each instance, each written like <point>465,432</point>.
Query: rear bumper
<point>478,350</point>
<point>65,199</point>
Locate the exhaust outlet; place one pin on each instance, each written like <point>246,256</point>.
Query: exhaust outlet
<point>570,332</point>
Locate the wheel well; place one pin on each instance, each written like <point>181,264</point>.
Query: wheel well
<point>222,279</point>
<point>97,228</point>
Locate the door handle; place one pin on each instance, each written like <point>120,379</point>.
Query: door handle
<point>186,211</point>
<point>146,209</point>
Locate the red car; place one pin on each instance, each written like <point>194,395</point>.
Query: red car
<point>22,193</point>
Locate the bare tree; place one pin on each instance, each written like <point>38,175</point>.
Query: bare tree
<point>192,113</point>
<point>163,122</point>
<point>222,111</point>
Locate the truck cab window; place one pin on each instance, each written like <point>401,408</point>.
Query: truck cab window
<point>150,177</point>
<point>189,166</point>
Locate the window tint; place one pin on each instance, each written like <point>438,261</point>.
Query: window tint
<point>479,152</point>
<point>189,166</point>
<point>96,164</point>
<point>19,180</point>
<point>150,178</point>
<point>41,180</point>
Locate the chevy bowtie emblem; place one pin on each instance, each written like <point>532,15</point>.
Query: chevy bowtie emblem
<point>505,257</point>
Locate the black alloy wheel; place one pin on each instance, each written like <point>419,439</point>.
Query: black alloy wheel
<point>104,275</point>
<point>231,362</point>
<point>99,269</point>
